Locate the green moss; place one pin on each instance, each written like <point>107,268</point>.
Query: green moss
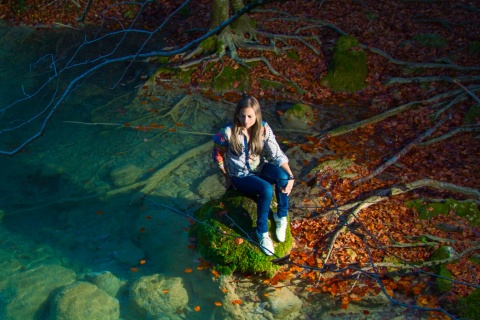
<point>348,71</point>
<point>230,78</point>
<point>293,55</point>
<point>469,306</point>
<point>474,48</point>
<point>209,45</point>
<point>269,84</point>
<point>444,281</point>
<point>222,221</point>
<point>466,209</point>
<point>430,40</point>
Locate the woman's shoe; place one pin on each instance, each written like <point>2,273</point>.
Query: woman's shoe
<point>266,243</point>
<point>281,230</point>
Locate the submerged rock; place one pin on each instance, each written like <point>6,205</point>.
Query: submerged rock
<point>106,281</point>
<point>129,253</point>
<point>157,297</point>
<point>25,295</point>
<point>128,174</point>
<point>83,300</point>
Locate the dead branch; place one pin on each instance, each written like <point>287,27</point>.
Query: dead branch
<point>404,151</point>
<point>399,80</point>
<point>450,134</point>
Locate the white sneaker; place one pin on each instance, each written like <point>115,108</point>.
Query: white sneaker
<point>266,243</point>
<point>281,230</point>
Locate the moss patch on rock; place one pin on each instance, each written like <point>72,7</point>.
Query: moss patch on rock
<point>469,306</point>
<point>348,70</point>
<point>230,78</point>
<point>466,209</point>
<point>299,116</point>
<point>221,237</point>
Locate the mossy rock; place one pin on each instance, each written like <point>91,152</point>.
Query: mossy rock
<point>232,78</point>
<point>299,116</point>
<point>430,40</point>
<point>340,166</point>
<point>467,209</point>
<point>348,70</point>
<point>221,222</point>
<point>444,280</point>
<point>469,306</point>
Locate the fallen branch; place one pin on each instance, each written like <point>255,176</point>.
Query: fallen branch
<point>451,133</point>
<point>404,151</point>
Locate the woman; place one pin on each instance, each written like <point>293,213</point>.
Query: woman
<point>238,150</point>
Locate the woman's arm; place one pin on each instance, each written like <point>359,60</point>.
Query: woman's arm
<point>291,179</point>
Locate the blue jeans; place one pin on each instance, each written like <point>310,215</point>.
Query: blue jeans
<point>261,186</point>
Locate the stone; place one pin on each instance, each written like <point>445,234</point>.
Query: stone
<point>156,296</point>
<point>25,295</point>
<point>226,219</point>
<point>126,175</point>
<point>106,281</point>
<point>283,303</point>
<point>299,116</point>
<point>129,253</point>
<point>83,300</point>
<point>211,187</point>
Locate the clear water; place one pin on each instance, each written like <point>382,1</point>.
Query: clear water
<point>62,203</point>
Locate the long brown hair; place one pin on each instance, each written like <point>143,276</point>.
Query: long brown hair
<point>255,143</point>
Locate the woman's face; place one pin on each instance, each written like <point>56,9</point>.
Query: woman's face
<point>247,117</point>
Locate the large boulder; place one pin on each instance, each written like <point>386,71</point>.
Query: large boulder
<point>225,235</point>
<point>157,297</point>
<point>25,295</point>
<point>106,281</point>
<point>298,116</point>
<point>83,300</point>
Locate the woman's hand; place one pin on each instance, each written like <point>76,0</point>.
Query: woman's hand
<point>288,188</point>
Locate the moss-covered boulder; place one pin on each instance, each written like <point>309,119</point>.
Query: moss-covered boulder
<point>444,279</point>
<point>469,306</point>
<point>348,70</point>
<point>298,116</point>
<point>225,235</point>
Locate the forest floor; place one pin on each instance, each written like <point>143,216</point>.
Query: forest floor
<point>414,51</point>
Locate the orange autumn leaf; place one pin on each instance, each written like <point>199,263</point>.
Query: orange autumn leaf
<point>224,290</point>
<point>237,302</point>
<point>99,212</point>
<point>165,291</point>
<point>126,124</point>
<point>143,261</point>
<point>197,308</point>
<point>239,240</point>
<point>178,124</point>
<point>188,270</point>
<point>142,229</point>
<point>134,269</point>
<point>218,303</point>
<point>215,273</point>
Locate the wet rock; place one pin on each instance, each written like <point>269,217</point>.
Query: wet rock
<point>157,296</point>
<point>210,188</point>
<point>128,253</point>
<point>83,300</point>
<point>105,281</point>
<point>25,295</point>
<point>8,264</point>
<point>283,303</point>
<point>128,174</point>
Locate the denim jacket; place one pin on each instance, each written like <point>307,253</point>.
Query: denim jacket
<point>236,164</point>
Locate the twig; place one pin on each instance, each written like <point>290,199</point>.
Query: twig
<point>404,151</point>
